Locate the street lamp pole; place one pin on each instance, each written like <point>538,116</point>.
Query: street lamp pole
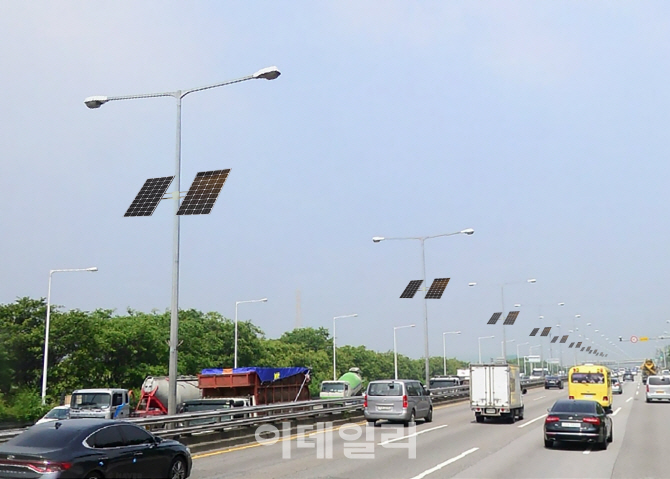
<point>422,240</point>
<point>479,340</point>
<point>334,343</point>
<point>444,348</point>
<point>517,355</point>
<point>395,348</point>
<point>48,323</point>
<point>93,102</point>
<point>264,300</point>
<point>503,344</point>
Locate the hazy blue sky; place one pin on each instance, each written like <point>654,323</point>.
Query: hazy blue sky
<point>542,125</point>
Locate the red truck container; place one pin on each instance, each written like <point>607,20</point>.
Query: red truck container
<point>261,385</point>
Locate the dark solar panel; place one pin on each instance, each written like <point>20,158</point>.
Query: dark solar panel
<point>564,338</point>
<point>494,319</point>
<point>511,317</point>
<point>411,288</point>
<point>583,348</point>
<point>571,344</point>
<point>150,194</point>
<point>578,345</point>
<point>553,340</point>
<point>588,348</point>
<point>437,288</point>
<point>545,331</point>
<point>595,351</point>
<point>203,192</point>
<point>534,331</point>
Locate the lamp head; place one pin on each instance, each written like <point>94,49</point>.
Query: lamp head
<point>95,101</point>
<point>468,231</point>
<point>94,268</point>
<point>269,73</point>
<point>472,284</point>
<point>532,280</point>
<point>377,239</point>
<point>264,300</point>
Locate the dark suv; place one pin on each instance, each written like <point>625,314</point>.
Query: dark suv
<point>553,382</point>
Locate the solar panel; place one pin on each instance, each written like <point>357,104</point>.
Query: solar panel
<point>203,192</point>
<point>564,338</point>
<point>545,331</point>
<point>534,331</point>
<point>494,319</point>
<point>411,288</point>
<point>437,288</point>
<point>578,345</point>
<point>583,348</point>
<point>588,348</point>
<point>553,340</point>
<point>571,344</point>
<point>595,351</point>
<point>150,194</point>
<point>511,317</point>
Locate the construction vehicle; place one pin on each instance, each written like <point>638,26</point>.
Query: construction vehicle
<point>155,391</point>
<point>349,384</point>
<point>495,391</point>
<point>648,369</point>
<point>256,384</point>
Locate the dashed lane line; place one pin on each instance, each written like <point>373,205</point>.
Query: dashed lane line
<point>445,463</point>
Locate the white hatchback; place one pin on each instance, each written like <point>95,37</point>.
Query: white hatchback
<point>56,414</point>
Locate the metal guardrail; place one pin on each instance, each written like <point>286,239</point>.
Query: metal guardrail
<point>235,418</point>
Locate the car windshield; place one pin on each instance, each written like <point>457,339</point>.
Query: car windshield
<point>443,383</point>
<point>48,437</point>
<point>57,413</point>
<point>574,406</point>
<point>89,400</point>
<point>332,387</point>
<point>588,378</point>
<point>659,381</point>
<point>385,389</point>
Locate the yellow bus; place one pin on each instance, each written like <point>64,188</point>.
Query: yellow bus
<point>591,381</point>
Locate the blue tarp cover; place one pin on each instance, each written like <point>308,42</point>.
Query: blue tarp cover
<point>264,374</point>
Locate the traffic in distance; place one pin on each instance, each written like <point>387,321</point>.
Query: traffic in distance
<point>82,439</point>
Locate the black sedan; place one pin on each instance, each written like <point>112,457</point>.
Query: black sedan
<point>577,420</point>
<point>92,449</point>
<point>553,382</point>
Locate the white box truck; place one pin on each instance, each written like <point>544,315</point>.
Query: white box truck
<point>496,392</point>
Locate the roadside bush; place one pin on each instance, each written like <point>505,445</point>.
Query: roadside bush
<point>25,406</point>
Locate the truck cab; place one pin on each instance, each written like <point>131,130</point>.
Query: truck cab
<point>100,403</point>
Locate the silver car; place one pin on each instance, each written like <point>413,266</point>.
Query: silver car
<point>617,388</point>
<point>400,400</point>
<point>658,387</point>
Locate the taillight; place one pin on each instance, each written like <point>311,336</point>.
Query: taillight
<point>365,400</point>
<point>46,467</point>
<point>647,387</point>
<point>571,397</point>
<point>404,402</point>
<point>605,398</point>
<point>552,419</point>
<point>592,420</point>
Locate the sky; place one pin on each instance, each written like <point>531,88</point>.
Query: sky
<point>541,125</point>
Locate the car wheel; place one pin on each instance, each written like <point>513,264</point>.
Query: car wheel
<point>93,475</point>
<point>560,386</point>
<point>177,469</point>
<point>648,400</point>
<point>548,444</point>
<point>521,414</point>
<point>411,419</point>
<point>479,418</point>
<point>429,417</point>
<point>611,437</point>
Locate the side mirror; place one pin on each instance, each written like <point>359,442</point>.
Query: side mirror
<point>524,391</point>
<point>159,439</point>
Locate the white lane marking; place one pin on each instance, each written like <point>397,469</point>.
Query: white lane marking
<point>629,399</point>
<point>537,399</point>
<point>637,392</point>
<point>411,435</point>
<point>617,410</point>
<point>588,451</point>
<point>533,420</point>
<point>445,463</point>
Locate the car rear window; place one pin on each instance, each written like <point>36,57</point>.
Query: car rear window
<point>46,437</point>
<point>574,406</point>
<point>659,381</point>
<point>385,389</point>
<point>588,378</point>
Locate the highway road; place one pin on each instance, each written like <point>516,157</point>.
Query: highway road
<point>455,446</point>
